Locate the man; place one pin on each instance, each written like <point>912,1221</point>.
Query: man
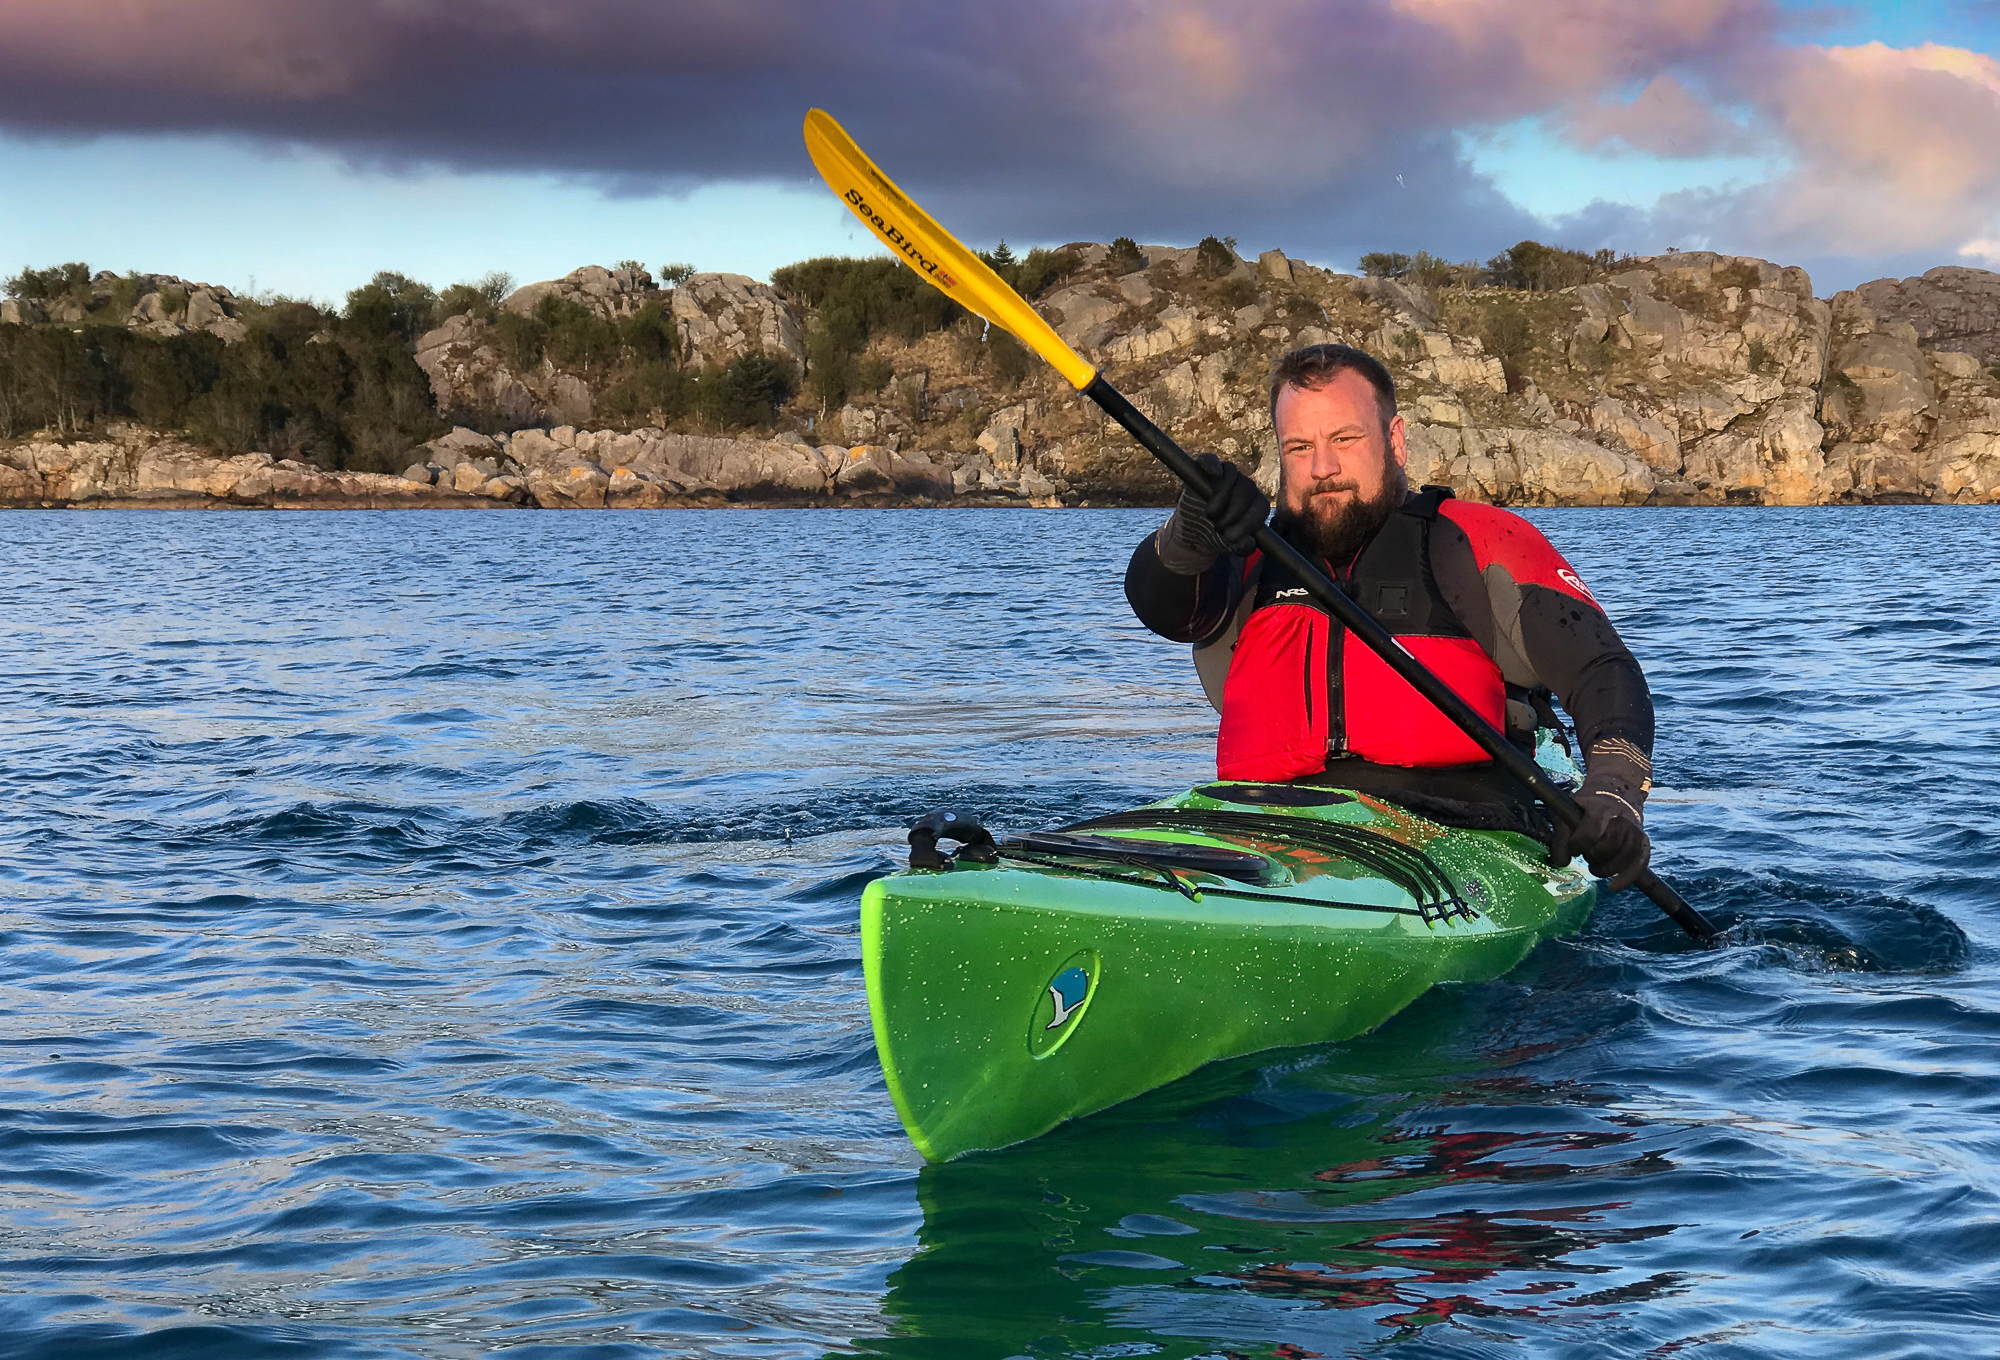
<point>1475,593</point>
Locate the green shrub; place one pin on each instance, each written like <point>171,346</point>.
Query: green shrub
<point>162,379</point>
<point>673,275</point>
<point>116,305</point>
<point>1214,257</point>
<point>1043,269</point>
<point>649,335</point>
<point>1382,264</point>
<point>1760,356</point>
<point>46,285</point>
<point>52,377</point>
<point>1430,270</point>
<point>750,389</point>
<point>1535,267</point>
<point>1509,335</point>
<point>301,383</point>
<point>1234,293</point>
<point>521,339</point>
<point>392,306</point>
<point>578,339</point>
<point>462,299</point>
<point>651,390</point>
<point>872,373</point>
<point>831,369</point>
<point>1125,256</point>
<point>1011,359</point>
<point>852,302</point>
<point>1737,274</point>
<point>880,296</point>
<point>480,298</point>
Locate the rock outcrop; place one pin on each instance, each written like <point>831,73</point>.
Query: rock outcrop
<point>716,318</point>
<point>612,294</point>
<point>566,468</point>
<point>721,316</point>
<point>463,362</point>
<point>158,304</point>
<point>1689,378</point>
<point>1951,308</point>
<point>135,469</point>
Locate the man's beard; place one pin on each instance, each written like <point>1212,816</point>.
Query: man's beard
<point>1337,532</point>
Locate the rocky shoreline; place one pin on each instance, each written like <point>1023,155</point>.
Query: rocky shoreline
<point>1683,379</point>
<point>560,469</point>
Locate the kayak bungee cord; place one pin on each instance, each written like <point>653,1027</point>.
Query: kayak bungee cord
<point>1404,865</point>
<point>1428,912</point>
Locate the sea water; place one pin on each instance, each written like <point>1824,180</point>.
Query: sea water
<point>435,935</point>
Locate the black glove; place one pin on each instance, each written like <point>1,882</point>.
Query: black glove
<point>1611,838</point>
<point>1202,528</point>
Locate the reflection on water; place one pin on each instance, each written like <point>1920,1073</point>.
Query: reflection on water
<point>435,936</point>
<point>1299,1203</point>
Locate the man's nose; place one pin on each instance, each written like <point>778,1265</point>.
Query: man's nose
<point>1325,461</point>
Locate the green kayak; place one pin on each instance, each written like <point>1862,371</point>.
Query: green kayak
<point>1018,984</point>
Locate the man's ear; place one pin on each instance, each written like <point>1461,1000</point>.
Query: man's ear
<point>1397,448</point>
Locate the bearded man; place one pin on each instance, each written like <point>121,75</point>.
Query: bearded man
<point>1475,593</point>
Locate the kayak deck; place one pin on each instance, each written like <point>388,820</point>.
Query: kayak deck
<point>1009,997</point>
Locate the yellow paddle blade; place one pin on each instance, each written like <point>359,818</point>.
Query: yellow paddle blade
<point>929,249</point>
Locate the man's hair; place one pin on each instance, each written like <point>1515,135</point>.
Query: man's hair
<point>1313,366</point>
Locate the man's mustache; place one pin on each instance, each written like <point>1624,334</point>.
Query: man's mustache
<point>1328,485</point>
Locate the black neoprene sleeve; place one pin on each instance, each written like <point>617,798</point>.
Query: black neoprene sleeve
<point>1180,608</point>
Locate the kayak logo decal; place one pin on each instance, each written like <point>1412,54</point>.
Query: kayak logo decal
<point>1067,991</point>
<point>1058,1009</point>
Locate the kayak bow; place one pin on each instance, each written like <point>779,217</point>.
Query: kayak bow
<point>1051,975</point>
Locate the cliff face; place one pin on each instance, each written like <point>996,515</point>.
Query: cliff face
<point>1691,378</point>
<point>715,317</point>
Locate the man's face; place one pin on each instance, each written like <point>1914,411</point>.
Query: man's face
<point>1333,452</point>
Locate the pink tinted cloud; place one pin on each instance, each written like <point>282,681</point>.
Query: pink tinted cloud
<point>1890,151</point>
<point>1305,87</point>
<point>1898,147</point>
<point>1665,119</point>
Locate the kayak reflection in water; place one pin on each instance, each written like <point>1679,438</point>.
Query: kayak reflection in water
<point>1215,1208</point>
<point>1474,592</point>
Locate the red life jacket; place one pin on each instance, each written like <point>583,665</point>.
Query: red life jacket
<point>1301,689</point>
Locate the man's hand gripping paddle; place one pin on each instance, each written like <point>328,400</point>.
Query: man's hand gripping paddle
<point>962,276</point>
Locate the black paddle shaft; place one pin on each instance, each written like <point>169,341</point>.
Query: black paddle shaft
<point>1321,587</point>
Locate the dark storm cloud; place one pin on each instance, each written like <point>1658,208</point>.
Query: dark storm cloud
<point>1326,126</point>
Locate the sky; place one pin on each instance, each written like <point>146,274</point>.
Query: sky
<point>298,146</point>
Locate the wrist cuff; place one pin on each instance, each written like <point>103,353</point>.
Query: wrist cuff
<point>1176,553</point>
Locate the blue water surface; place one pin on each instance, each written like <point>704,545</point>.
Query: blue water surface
<point>435,935</point>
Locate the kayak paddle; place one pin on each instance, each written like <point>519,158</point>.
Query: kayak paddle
<point>962,276</point>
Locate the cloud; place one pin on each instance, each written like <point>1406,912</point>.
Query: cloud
<point>1665,119</point>
<point>1326,126</point>
<point>1891,151</point>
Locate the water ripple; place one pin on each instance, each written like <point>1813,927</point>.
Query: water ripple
<point>394,969</point>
